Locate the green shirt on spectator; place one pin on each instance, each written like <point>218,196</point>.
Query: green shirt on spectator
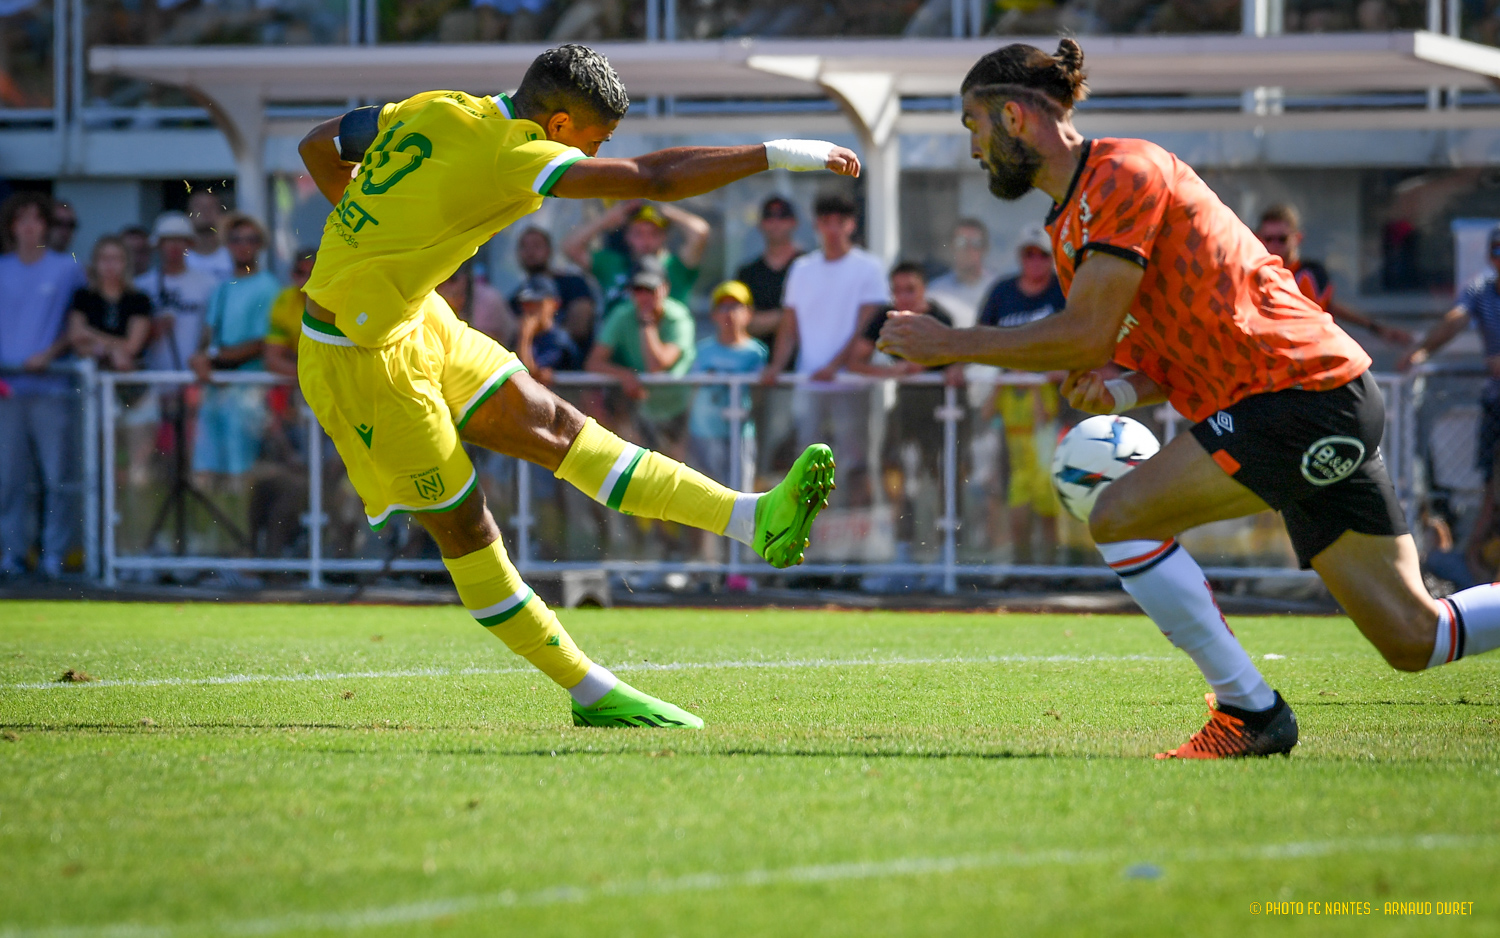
<point>611,269</point>
<point>621,334</point>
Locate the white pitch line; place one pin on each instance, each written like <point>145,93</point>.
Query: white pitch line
<point>642,666</point>
<point>386,916</point>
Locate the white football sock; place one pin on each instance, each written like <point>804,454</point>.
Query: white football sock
<point>1468,624</point>
<point>742,518</point>
<point>1169,586</point>
<point>595,684</point>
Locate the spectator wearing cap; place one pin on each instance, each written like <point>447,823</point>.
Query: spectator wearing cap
<point>652,333</point>
<point>830,294</point>
<point>646,228</point>
<point>1280,231</point>
<point>962,290</point>
<point>730,351</point>
<point>1028,414</point>
<point>62,228</point>
<point>766,275</point>
<point>234,336</point>
<point>179,295</point>
<point>209,252</point>
<point>543,347</point>
<point>286,317</point>
<point>109,319</point>
<point>577,308</point>
<point>1479,305</point>
<point>36,416</point>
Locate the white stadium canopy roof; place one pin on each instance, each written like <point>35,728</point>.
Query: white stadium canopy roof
<point>868,77</point>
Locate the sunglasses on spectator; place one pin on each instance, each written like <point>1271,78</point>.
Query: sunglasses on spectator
<point>244,239</point>
<point>774,214</point>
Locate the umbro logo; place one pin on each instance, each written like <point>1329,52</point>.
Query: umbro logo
<point>1221,423</point>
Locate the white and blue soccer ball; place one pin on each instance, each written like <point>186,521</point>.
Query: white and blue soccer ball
<point>1095,453</point>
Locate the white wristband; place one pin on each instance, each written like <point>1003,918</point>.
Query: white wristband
<point>1123,392</point>
<point>798,155</point>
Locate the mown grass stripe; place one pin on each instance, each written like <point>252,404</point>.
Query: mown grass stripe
<point>713,881</point>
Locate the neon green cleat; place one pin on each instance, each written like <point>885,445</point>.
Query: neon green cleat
<point>784,515</point>
<point>626,706</point>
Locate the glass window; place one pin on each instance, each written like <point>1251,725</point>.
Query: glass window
<point>202,23</point>
<point>26,38</point>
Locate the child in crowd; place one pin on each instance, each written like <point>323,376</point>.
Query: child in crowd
<point>731,351</point>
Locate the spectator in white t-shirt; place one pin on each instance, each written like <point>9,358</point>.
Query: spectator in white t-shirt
<point>179,295</point>
<point>208,252</point>
<point>963,288</point>
<point>831,295</point>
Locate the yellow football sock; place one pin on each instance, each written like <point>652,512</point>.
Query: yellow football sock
<point>495,594</point>
<point>640,482</point>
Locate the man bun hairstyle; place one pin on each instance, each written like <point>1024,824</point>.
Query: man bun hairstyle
<point>575,79</point>
<point>1052,82</point>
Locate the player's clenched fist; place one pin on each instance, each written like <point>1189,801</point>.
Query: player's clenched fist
<point>920,339</point>
<point>1087,391</point>
<point>810,155</point>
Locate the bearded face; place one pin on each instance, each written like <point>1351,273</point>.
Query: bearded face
<point>1011,163</point>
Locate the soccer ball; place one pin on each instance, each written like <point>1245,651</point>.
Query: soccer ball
<point>1094,454</point>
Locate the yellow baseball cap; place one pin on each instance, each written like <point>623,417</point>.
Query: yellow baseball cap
<point>731,289</point>
<point>652,214</point>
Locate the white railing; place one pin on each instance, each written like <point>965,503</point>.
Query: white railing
<point>102,412</point>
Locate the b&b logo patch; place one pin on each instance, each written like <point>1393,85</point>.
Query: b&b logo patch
<point>1332,459</point>
<point>429,484</point>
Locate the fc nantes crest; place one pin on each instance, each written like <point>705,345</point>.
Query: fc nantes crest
<point>429,484</point>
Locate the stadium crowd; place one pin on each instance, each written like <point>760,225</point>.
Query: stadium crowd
<point>613,296</point>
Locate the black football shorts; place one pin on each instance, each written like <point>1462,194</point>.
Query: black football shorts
<point>1314,456</point>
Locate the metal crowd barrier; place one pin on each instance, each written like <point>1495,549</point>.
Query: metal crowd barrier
<point>316,559</point>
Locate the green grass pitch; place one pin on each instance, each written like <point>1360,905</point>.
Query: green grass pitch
<point>310,770</point>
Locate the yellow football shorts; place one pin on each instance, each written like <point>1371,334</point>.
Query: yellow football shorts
<point>395,413</point>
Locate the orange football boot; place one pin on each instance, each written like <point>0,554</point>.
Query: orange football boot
<point>1226,736</point>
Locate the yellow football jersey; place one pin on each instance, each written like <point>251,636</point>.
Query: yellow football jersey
<point>446,172</point>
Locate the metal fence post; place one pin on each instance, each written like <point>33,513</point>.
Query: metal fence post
<point>523,520</point>
<point>315,518</point>
<point>736,414</point>
<point>107,475</point>
<point>91,469</point>
<point>950,414</point>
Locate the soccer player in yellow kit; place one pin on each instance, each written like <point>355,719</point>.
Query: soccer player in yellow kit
<point>399,382</point>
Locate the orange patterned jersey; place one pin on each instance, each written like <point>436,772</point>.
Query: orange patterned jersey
<point>1217,318</point>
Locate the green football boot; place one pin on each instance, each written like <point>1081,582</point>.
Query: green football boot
<point>784,515</point>
<point>626,706</point>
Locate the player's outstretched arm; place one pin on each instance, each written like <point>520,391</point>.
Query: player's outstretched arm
<point>683,172</point>
<point>1080,338</point>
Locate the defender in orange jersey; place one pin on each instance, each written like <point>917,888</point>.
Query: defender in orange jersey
<point>1165,282</point>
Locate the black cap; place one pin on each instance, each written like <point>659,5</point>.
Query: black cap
<point>777,207</point>
<point>537,287</point>
<point>648,274</point>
